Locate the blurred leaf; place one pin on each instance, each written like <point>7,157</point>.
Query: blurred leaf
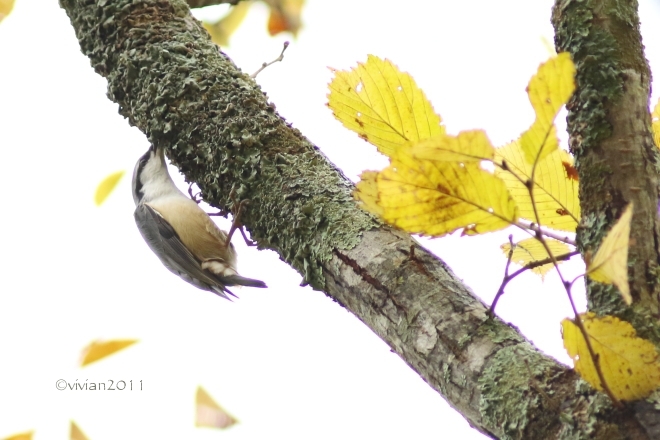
<point>436,197</point>
<point>555,188</point>
<point>6,7</point>
<point>548,91</point>
<point>76,433</point>
<point>655,124</point>
<point>106,187</point>
<point>97,350</point>
<point>22,436</point>
<point>629,364</point>
<point>530,250</point>
<point>224,28</point>
<point>285,16</point>
<point>382,105</point>
<point>610,264</point>
<point>209,413</point>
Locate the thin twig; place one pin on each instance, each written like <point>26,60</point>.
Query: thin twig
<point>540,237</point>
<point>531,265</point>
<point>264,65</point>
<point>505,280</point>
<point>536,228</point>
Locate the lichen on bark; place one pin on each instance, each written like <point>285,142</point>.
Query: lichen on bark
<point>609,128</point>
<point>175,84</point>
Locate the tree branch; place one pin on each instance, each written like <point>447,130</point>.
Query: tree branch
<point>610,135</point>
<point>217,127</point>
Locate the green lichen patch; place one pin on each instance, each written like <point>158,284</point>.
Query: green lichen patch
<point>217,126</point>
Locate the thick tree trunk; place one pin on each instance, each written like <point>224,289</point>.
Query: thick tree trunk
<point>217,126</point>
<point>610,135</point>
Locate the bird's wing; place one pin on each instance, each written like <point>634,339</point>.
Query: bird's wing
<point>165,243</point>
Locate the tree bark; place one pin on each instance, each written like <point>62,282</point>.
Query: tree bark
<point>610,136</point>
<point>217,126</point>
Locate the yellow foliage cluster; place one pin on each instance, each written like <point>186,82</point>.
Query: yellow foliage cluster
<point>437,183</point>
<point>629,364</point>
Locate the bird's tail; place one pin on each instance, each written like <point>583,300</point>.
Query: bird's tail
<point>237,280</point>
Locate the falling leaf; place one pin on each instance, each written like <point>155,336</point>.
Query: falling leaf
<point>629,364</point>
<point>548,91</point>
<point>285,16</point>
<point>99,349</point>
<point>438,197</point>
<point>22,436</point>
<point>209,413</point>
<point>610,264</point>
<point>383,105</point>
<point>6,7</point>
<point>530,250</point>
<point>76,433</point>
<point>555,192</point>
<point>655,124</point>
<point>107,186</point>
<point>224,28</point>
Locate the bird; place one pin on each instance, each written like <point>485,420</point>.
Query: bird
<point>180,233</point>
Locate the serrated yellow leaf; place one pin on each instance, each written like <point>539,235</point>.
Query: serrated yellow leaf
<point>99,349</point>
<point>610,264</point>
<point>468,146</point>
<point>383,105</point>
<point>367,188</point>
<point>438,197</point>
<point>22,436</point>
<point>6,7</point>
<point>76,433</point>
<point>209,414</point>
<point>106,187</point>
<point>548,91</point>
<point>555,188</point>
<point>629,364</point>
<point>530,250</point>
<point>655,124</point>
<point>224,28</point>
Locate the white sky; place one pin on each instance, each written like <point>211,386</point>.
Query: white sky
<point>287,362</point>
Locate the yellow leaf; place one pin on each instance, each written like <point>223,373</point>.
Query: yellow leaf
<point>530,250</point>
<point>224,28</point>
<point>655,124</point>
<point>209,413</point>
<point>76,433</point>
<point>6,7</point>
<point>285,16</point>
<point>468,146</point>
<point>383,105</point>
<point>438,197</point>
<point>555,188</point>
<point>548,91</point>
<point>629,364</point>
<point>610,264</point>
<point>99,349</point>
<point>106,187</point>
<point>21,436</point>
<point>367,188</point>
